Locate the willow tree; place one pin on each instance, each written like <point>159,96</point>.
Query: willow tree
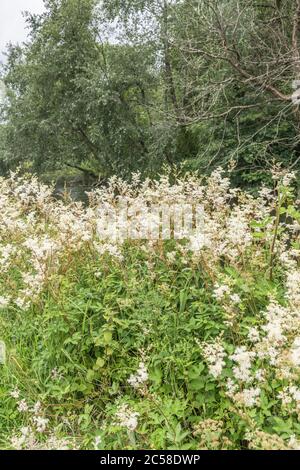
<point>73,97</point>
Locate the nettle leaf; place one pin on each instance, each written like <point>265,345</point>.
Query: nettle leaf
<point>283,427</point>
<point>196,370</point>
<point>156,375</point>
<point>197,384</point>
<point>90,375</point>
<point>107,337</point>
<point>183,296</point>
<point>99,363</point>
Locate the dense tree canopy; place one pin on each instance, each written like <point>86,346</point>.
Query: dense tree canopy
<point>117,86</point>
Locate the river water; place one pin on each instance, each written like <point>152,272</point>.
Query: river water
<point>74,188</point>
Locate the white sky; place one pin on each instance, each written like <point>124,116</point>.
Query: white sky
<point>12,24</point>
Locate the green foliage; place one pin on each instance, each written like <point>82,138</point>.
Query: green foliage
<point>92,333</point>
<point>174,82</point>
<point>149,344</point>
<point>71,98</point>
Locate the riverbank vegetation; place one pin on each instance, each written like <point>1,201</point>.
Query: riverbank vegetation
<point>116,87</point>
<point>173,344</point>
<point>189,342</point>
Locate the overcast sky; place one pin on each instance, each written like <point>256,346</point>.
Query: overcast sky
<point>12,24</point>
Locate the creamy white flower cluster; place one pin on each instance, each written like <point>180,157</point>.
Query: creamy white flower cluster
<point>140,378</point>
<point>214,354</point>
<point>127,418</point>
<point>28,436</point>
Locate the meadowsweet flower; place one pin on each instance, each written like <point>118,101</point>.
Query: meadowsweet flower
<point>171,256</point>
<point>290,395</point>
<point>287,260</point>
<point>285,396</point>
<point>231,388</point>
<point>266,193</point>
<point>260,440</point>
<point>56,374</point>
<point>40,423</point>
<point>29,439</point>
<point>260,375</point>
<point>15,393</point>
<point>199,241</point>
<point>243,358</point>
<point>4,301</point>
<point>276,317</point>
<point>249,397</point>
<point>235,298</point>
<point>26,435</point>
<point>36,408</point>
<point>274,331</point>
<point>293,287</point>
<point>113,250</point>
<point>214,354</point>
<point>22,406</point>
<point>253,334</point>
<point>265,351</point>
<point>295,352</point>
<point>295,391</point>
<point>288,178</point>
<point>127,418</point>
<point>220,291</point>
<point>22,303</point>
<point>238,230</point>
<point>294,443</point>
<point>139,379</point>
<point>97,442</point>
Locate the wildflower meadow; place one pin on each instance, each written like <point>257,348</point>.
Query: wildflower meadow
<point>120,343</point>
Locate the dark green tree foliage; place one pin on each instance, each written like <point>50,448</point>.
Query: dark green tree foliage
<point>200,82</point>
<point>72,98</point>
<point>46,116</point>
